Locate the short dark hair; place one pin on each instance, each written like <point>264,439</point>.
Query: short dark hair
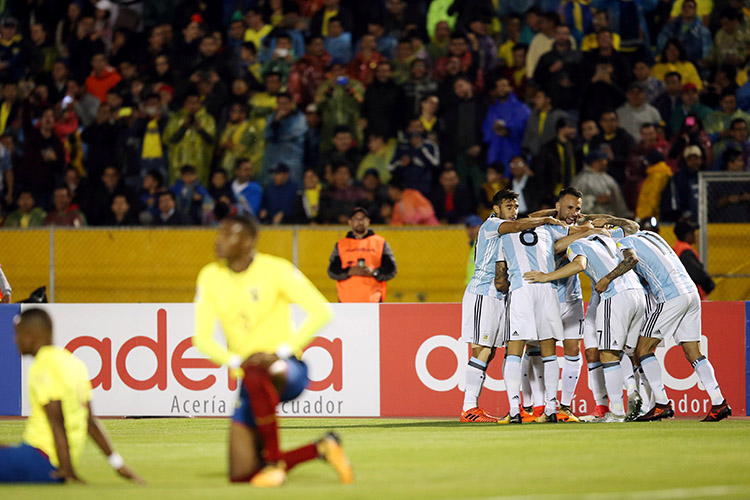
<point>731,155</point>
<point>736,121</point>
<point>156,175</point>
<point>187,169</point>
<point>240,161</point>
<point>250,46</point>
<point>38,315</point>
<point>552,17</point>
<point>341,128</point>
<point>248,223</point>
<point>165,192</point>
<point>502,195</point>
<point>673,73</point>
<point>570,190</point>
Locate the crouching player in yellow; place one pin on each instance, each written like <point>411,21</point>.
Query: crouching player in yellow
<point>250,294</point>
<point>61,417</point>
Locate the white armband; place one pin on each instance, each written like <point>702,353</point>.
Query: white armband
<point>235,361</point>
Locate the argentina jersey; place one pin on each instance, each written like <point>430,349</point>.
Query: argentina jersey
<point>601,258</point>
<point>568,289</point>
<point>531,250</point>
<point>658,264</point>
<point>487,252</point>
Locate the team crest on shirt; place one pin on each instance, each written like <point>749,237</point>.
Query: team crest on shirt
<point>485,337</point>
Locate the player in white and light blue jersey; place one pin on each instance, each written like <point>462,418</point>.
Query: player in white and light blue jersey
<point>619,314</point>
<point>483,307</point>
<point>676,312</point>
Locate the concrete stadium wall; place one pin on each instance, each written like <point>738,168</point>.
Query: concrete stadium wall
<point>160,265</point>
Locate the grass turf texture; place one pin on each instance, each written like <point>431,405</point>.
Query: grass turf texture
<point>415,459</point>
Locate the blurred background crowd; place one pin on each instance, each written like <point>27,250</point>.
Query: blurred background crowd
<point>128,112</point>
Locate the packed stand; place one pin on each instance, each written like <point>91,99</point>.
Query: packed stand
<point>126,113</point>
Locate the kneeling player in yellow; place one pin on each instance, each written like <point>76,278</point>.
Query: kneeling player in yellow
<point>250,294</point>
<point>61,417</point>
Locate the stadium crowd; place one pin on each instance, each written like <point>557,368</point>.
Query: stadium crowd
<point>123,112</point>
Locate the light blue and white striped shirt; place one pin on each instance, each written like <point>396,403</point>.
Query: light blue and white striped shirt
<point>658,264</point>
<point>531,250</point>
<point>487,252</point>
<point>601,258</point>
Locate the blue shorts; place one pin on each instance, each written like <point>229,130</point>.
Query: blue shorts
<point>296,382</point>
<point>25,464</point>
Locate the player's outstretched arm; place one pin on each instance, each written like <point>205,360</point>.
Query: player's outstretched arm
<point>547,212</point>
<point>576,233</point>
<point>516,226</point>
<point>99,435</point>
<point>56,419</point>
<point>628,226</point>
<point>576,266</point>
<point>629,262</point>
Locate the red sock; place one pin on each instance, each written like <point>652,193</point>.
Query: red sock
<point>263,400</point>
<point>300,455</point>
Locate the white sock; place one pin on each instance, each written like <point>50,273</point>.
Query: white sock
<point>596,383</point>
<point>645,390</point>
<point>512,376</point>
<point>705,371</point>
<point>570,372</point>
<point>628,375</point>
<point>613,378</point>
<point>652,370</point>
<point>526,375</point>
<point>551,379</point>
<point>475,371</point>
<point>536,380</point>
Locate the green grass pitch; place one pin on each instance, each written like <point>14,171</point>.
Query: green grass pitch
<point>427,459</point>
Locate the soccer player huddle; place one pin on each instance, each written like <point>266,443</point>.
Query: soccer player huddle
<point>525,295</point>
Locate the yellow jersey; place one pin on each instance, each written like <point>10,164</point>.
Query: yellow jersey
<point>56,375</point>
<point>253,308</point>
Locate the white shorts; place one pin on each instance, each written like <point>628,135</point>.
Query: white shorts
<point>590,338</point>
<point>571,314</point>
<point>481,317</point>
<point>619,320</point>
<point>679,317</point>
<point>532,312</point>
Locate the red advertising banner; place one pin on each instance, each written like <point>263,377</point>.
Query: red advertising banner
<point>422,364</point>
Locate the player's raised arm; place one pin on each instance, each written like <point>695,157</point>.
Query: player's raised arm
<point>577,233</point>
<point>516,226</point>
<point>56,419</point>
<point>576,266</point>
<point>99,435</point>
<point>628,226</point>
<point>630,260</point>
<point>299,290</point>
<point>547,212</point>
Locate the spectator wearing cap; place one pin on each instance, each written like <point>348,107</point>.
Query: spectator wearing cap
<point>732,40</point>
<point>690,30</point>
<point>361,262</point>
<point>190,135</point>
<point>684,231</point>
<point>673,58</point>
<point>12,53</point>
<point>338,99</point>
<point>636,111</point>
<point>652,191</point>
<point>285,138</point>
<point>384,105</point>
<point>504,125</point>
<point>691,105</point>
<point>341,196</point>
<point>615,142</point>
<point>473,223</point>
<point>738,140</point>
<point>451,200</point>
<point>556,164</point>
<point>560,71</point>
<point>691,133</point>
<point>542,122</point>
<point>409,206</point>
<point>686,181</point>
<point>307,203</point>
<point>277,206</point>
<point>308,72</point>
<point>416,159</point>
<point>601,192</point>
<point>719,122</point>
<point>102,78</point>
<point>378,158</point>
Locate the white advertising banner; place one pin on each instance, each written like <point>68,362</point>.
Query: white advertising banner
<point>141,362</point>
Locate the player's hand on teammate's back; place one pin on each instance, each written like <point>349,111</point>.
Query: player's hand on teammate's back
<point>554,222</point>
<point>602,285</point>
<point>535,277</point>
<point>130,474</point>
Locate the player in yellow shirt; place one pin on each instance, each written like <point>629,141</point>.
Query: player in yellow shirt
<point>250,295</point>
<point>61,417</point>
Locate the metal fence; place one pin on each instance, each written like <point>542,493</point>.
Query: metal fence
<point>160,265</point>
<point>724,242</point>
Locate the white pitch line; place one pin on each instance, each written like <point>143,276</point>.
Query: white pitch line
<point>667,494</point>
